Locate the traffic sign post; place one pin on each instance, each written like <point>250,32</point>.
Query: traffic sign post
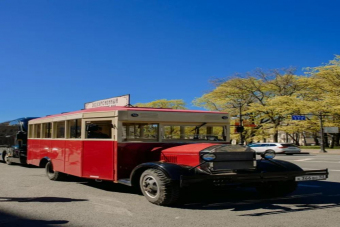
<point>322,150</point>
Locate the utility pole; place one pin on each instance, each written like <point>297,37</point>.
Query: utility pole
<point>322,135</point>
<point>241,125</point>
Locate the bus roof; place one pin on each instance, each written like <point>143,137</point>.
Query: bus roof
<point>123,108</point>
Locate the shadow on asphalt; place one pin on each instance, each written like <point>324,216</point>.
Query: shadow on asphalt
<point>112,187</point>
<point>314,195</point>
<point>9,220</point>
<point>309,196</point>
<point>40,199</point>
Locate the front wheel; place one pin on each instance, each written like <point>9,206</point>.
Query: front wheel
<point>277,188</point>
<point>51,174</point>
<point>158,188</point>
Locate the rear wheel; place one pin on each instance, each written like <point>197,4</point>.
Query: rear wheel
<point>3,156</point>
<point>158,188</point>
<point>51,174</point>
<point>277,188</point>
<point>7,159</point>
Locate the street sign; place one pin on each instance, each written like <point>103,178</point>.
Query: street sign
<point>298,117</point>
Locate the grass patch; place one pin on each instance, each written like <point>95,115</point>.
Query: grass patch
<point>316,147</point>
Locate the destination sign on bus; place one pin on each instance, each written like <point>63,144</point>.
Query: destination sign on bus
<point>114,101</point>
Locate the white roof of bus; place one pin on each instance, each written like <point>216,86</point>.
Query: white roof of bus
<point>122,108</point>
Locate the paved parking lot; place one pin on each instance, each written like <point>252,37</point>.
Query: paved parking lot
<point>28,198</point>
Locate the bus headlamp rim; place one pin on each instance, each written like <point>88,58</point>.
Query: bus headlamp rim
<point>208,157</point>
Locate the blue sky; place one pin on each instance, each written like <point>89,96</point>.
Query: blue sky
<point>56,55</point>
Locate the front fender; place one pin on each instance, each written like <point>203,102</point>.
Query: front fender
<point>173,171</point>
<point>276,166</point>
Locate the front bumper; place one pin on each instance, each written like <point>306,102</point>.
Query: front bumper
<point>247,178</point>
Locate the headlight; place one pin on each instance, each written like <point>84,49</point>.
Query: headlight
<point>208,157</point>
<point>268,155</point>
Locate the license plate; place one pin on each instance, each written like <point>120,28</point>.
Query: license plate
<point>307,178</point>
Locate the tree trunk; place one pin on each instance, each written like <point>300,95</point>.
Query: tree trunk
<point>325,140</point>
<point>304,139</point>
<point>315,137</point>
<point>336,139</point>
<point>297,139</point>
<point>332,141</point>
<point>276,136</point>
<point>292,136</point>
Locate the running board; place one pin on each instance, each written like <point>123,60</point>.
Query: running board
<point>125,181</point>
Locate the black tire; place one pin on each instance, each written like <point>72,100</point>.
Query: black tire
<point>158,188</point>
<point>8,162</point>
<point>3,156</point>
<point>51,174</point>
<point>277,188</point>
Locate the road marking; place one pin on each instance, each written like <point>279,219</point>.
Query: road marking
<point>302,160</point>
<point>309,160</point>
<point>333,170</point>
<point>321,161</point>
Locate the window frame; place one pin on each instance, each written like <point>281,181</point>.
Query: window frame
<point>113,129</point>
<point>55,130</point>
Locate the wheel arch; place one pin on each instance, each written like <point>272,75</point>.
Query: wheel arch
<point>171,170</point>
<point>44,161</point>
<point>4,152</point>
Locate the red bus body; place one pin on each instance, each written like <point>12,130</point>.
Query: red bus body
<point>111,159</point>
<point>158,150</point>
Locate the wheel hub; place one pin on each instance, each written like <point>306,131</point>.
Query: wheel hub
<point>150,186</point>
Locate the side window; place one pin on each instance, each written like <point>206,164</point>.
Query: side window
<point>138,131</point>
<point>98,129</point>
<point>74,128</point>
<point>186,132</point>
<point>263,145</point>
<point>30,131</point>
<point>37,130</point>
<point>59,129</point>
<point>47,130</point>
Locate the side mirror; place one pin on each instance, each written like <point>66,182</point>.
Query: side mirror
<point>268,155</point>
<point>21,136</point>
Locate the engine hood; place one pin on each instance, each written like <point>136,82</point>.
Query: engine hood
<point>192,149</point>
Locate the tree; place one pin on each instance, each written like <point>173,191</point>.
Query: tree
<point>163,103</point>
<point>324,97</point>
<point>266,98</point>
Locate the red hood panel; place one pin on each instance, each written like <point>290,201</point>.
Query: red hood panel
<point>187,148</point>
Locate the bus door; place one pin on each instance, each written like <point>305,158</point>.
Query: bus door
<point>98,148</point>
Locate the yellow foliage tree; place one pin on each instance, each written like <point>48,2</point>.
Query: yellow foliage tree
<point>164,103</point>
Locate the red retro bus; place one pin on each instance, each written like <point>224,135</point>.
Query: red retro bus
<point>158,150</point>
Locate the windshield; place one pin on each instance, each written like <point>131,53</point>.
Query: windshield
<point>194,132</point>
<point>227,148</point>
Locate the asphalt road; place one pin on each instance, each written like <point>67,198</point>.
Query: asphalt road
<point>28,198</point>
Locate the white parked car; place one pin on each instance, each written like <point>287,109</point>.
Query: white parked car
<point>278,148</point>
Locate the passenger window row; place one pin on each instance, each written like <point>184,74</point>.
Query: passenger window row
<point>56,129</point>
